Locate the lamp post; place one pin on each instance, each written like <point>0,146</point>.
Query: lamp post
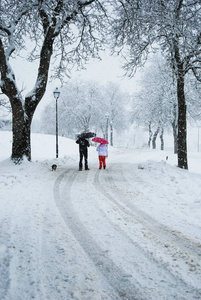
<point>107,123</point>
<point>111,133</point>
<point>56,96</point>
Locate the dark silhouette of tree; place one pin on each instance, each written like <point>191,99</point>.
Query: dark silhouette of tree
<point>70,31</point>
<point>174,26</point>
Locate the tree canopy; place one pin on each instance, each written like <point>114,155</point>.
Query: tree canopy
<point>65,32</point>
<point>154,107</point>
<point>86,105</point>
<point>174,26</point>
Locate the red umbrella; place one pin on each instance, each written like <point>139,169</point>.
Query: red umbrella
<point>100,140</point>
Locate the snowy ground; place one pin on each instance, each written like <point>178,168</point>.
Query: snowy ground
<point>132,231</point>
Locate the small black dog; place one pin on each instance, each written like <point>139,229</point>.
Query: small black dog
<point>54,167</point>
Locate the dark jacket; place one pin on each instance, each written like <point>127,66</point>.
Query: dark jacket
<point>83,143</point>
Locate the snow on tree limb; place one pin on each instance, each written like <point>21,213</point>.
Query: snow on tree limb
<point>66,31</point>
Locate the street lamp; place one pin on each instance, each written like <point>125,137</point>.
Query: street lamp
<point>56,94</point>
<point>107,119</point>
<point>111,133</point>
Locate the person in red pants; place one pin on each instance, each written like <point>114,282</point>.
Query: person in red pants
<point>102,154</point>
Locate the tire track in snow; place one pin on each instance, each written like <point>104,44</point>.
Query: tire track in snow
<point>117,278</point>
<point>152,224</point>
<point>112,273</point>
<point>162,234</point>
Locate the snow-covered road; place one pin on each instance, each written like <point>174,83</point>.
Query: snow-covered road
<point>132,254</point>
<point>132,231</point>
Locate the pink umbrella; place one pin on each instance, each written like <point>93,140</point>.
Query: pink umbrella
<point>100,140</point>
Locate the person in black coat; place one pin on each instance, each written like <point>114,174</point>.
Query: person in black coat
<point>83,144</point>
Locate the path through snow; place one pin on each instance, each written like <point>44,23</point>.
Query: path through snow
<point>121,233</point>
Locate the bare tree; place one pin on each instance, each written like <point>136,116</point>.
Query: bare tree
<point>193,92</point>
<point>66,31</point>
<point>153,107</point>
<point>79,108</point>
<point>5,106</point>
<point>85,105</point>
<point>175,27</point>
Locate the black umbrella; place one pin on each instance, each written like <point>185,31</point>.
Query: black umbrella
<point>87,135</point>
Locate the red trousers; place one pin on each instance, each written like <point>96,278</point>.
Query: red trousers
<point>102,161</point>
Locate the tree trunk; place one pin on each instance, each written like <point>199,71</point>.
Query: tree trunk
<point>23,111</point>
<point>182,131</point>
<point>150,136</point>
<point>21,127</point>
<point>103,130</point>
<point>175,136</point>
<point>162,140</point>
<point>175,128</point>
<point>21,146</point>
<point>154,138</point>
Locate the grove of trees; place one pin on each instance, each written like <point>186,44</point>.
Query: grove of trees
<point>86,105</point>
<point>174,26</point>
<point>65,33</point>
<point>155,106</point>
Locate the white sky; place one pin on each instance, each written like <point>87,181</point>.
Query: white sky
<point>108,69</point>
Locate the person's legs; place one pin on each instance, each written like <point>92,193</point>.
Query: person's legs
<point>100,161</point>
<point>86,159</point>
<point>104,162</point>
<point>81,158</point>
